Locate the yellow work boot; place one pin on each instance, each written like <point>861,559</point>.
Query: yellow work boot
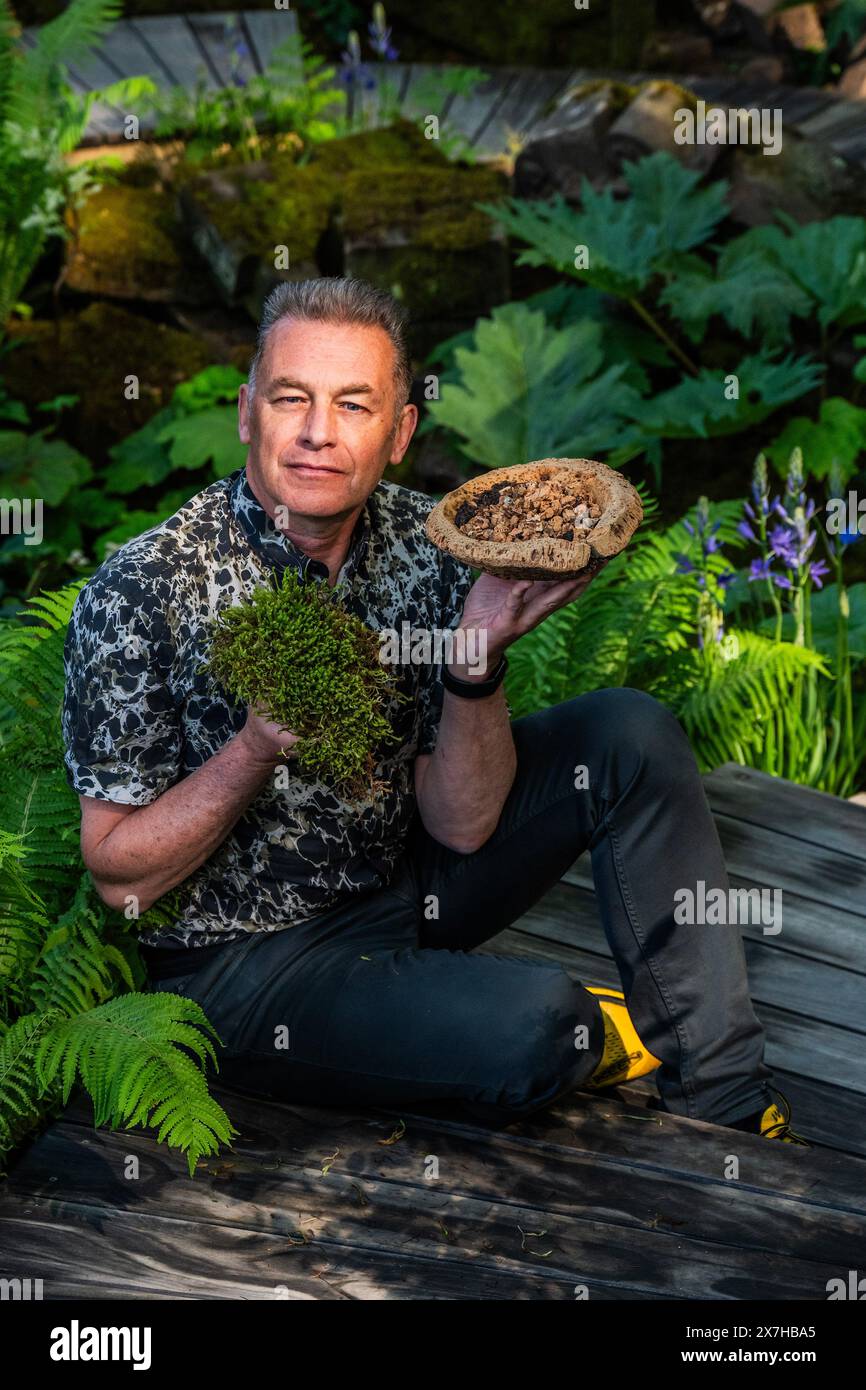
<point>773,1122</point>
<point>624,1058</point>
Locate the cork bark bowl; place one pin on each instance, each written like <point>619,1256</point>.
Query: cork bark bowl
<point>544,557</point>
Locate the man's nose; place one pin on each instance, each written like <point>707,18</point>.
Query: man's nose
<point>319,427</point>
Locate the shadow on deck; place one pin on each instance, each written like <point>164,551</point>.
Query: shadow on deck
<point>596,1196</point>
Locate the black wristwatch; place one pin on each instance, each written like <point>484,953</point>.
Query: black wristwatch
<point>475,690</point>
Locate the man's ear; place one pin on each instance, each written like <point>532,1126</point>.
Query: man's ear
<point>244,414</point>
<point>403,433</point>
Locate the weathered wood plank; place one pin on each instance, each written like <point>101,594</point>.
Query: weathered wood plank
<point>759,799</point>
<point>823,934</point>
<point>93,71</point>
<point>416,80</point>
<point>804,102</point>
<point>170,36</point>
<point>608,1127</point>
<point>81,1254</point>
<point>470,112</point>
<point>210,32</point>
<point>830,1114</point>
<point>770,859</point>
<point>612,1220</point>
<point>491,136</point>
<point>525,102</point>
<point>268,29</point>
<point>850,145</point>
<point>125,50</point>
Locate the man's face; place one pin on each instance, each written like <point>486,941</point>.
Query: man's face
<point>321,426</point>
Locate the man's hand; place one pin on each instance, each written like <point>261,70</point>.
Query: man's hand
<point>506,609</point>
<point>263,740</point>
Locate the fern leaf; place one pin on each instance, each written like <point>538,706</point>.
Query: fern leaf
<point>129,1055</point>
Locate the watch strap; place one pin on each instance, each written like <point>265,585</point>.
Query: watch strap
<point>475,690</point>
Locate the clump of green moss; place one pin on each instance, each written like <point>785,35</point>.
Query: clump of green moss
<point>294,651</point>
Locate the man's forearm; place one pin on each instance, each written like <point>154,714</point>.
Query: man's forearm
<point>472,770</point>
<point>156,847</point>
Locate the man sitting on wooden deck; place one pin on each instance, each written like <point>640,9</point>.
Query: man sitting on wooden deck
<point>331,944</point>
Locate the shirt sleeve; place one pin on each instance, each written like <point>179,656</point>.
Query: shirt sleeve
<point>456,580</point>
<point>121,729</point>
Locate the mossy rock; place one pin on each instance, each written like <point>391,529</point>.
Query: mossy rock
<point>129,247</point>
<point>418,235</point>
<point>805,179</point>
<point>402,142</point>
<point>431,208</point>
<point>91,355</point>
<point>237,217</point>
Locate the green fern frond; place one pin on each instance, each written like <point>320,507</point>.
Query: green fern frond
<point>129,1055</point>
<point>23,1096</point>
<point>76,967</point>
<point>8,38</point>
<point>23,926</point>
<point>38,83</point>
<point>742,694</point>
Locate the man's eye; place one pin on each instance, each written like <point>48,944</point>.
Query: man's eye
<point>353,404</point>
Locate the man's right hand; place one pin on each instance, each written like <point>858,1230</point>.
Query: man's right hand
<point>263,739</point>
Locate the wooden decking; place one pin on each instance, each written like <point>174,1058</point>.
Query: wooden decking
<point>596,1191</point>
<point>178,50</point>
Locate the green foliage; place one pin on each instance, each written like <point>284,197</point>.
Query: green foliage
<point>527,391</point>
<point>757,696</point>
<point>835,441</point>
<point>629,241</point>
<point>314,669</point>
<point>41,119</point>
<point>294,95</point>
<point>525,388</point>
<point>129,1055</point>
<point>33,465</point>
<point>36,801</point>
<point>730,704</point>
<point>825,261</point>
<point>209,436</point>
<point>747,288</point>
<point>64,956</point>
<point>651,251</point>
<point>195,430</point>
<point>701,406</point>
<point>825,619</point>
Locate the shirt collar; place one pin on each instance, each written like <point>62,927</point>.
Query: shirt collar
<point>280,552</point>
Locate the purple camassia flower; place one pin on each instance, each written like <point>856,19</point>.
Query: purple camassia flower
<point>760,568</point>
<point>380,35</point>
<point>354,72</point>
<point>783,543</point>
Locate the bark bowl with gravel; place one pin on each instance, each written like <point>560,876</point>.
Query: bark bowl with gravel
<point>550,519</point>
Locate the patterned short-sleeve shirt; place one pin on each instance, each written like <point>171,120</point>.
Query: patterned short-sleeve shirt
<point>138,716</point>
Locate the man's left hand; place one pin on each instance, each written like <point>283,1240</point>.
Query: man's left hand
<point>506,609</point>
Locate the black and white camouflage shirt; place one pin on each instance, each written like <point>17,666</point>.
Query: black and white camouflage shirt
<point>138,716</point>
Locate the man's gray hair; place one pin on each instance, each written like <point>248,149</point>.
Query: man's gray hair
<point>338,299</point>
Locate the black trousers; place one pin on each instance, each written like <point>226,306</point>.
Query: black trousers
<point>381,1000</point>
